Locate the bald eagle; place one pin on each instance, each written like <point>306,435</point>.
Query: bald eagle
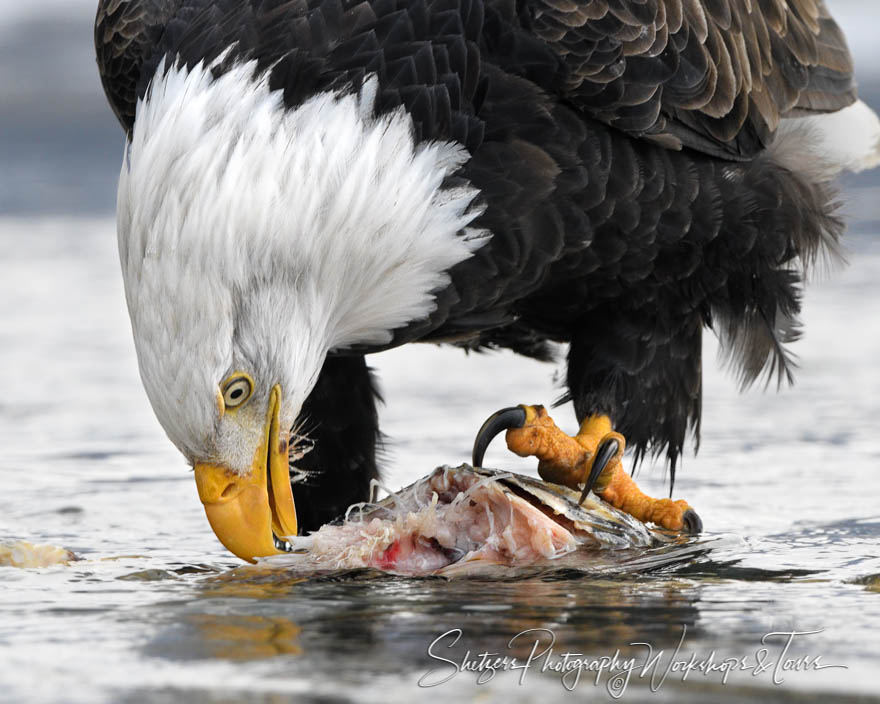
<point>308,181</point>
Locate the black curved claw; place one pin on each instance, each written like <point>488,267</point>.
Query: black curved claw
<point>505,419</point>
<point>604,454</point>
<point>692,522</point>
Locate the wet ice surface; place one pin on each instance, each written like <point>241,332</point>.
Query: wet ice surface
<point>787,486</point>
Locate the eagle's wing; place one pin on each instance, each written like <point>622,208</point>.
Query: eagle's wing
<point>713,75</point>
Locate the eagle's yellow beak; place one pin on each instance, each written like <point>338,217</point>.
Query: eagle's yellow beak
<point>249,513</point>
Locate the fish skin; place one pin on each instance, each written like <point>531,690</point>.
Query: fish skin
<point>463,521</point>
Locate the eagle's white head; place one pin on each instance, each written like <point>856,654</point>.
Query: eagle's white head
<point>254,239</point>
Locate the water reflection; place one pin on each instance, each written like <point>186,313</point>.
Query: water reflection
<point>382,624</point>
<point>242,637</point>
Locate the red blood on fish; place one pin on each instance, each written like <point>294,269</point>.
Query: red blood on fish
<point>389,557</point>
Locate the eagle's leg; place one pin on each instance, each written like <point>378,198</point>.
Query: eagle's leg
<point>590,460</point>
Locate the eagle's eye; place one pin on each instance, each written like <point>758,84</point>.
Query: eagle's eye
<point>237,389</point>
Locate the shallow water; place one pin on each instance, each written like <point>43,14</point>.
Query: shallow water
<point>786,484</point>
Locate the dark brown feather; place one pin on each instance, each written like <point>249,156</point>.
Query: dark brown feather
<point>739,66</point>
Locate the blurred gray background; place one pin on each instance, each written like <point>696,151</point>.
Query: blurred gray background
<point>60,147</point>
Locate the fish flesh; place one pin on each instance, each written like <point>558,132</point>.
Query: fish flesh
<point>26,555</point>
<point>457,521</point>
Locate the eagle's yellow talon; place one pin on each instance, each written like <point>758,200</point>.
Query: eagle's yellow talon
<point>623,493</point>
<point>567,460</point>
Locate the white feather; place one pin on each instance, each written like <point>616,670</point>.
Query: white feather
<point>827,144</point>
<point>258,238</point>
